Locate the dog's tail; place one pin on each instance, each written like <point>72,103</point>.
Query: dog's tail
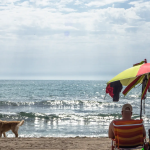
<point>20,123</point>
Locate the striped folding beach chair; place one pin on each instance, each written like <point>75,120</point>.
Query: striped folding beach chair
<point>128,134</point>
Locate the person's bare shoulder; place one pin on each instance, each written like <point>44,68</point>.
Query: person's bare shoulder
<point>116,120</point>
<point>111,123</point>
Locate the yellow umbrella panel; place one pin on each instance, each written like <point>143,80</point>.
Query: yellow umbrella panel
<point>127,76</point>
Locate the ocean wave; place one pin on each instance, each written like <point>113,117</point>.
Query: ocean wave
<point>64,117</point>
<point>53,103</point>
<point>27,116</point>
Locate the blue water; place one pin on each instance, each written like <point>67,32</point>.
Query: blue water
<point>64,108</point>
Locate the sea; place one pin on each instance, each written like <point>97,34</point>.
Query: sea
<point>65,108</point>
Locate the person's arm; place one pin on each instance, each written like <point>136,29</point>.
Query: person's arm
<point>111,131</point>
<point>149,89</point>
<point>144,132</point>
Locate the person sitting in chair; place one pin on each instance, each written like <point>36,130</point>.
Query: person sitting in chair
<point>126,115</point>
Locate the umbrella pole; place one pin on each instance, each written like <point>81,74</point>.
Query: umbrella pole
<point>141,110</point>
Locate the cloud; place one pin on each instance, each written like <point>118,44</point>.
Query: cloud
<point>25,19</point>
<point>77,2</point>
<point>40,2</point>
<point>72,38</point>
<point>104,2</point>
<point>142,9</point>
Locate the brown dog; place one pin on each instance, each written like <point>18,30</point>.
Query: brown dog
<point>10,125</point>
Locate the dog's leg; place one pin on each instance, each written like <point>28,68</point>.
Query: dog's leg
<point>4,134</point>
<point>0,134</point>
<point>15,131</point>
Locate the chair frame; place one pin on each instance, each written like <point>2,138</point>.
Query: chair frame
<point>114,146</point>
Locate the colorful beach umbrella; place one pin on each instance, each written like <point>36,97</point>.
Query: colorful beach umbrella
<point>139,73</point>
<point>127,76</point>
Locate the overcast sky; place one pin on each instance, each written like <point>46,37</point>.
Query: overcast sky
<point>72,39</point>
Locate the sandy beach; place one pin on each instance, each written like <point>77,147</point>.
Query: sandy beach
<point>50,143</point>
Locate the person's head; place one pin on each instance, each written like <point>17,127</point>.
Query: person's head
<point>126,111</point>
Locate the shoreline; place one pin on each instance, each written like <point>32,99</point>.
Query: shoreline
<point>55,143</point>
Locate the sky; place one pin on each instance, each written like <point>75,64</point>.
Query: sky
<point>72,39</point>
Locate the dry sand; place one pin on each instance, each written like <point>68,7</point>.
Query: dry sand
<point>50,143</point>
